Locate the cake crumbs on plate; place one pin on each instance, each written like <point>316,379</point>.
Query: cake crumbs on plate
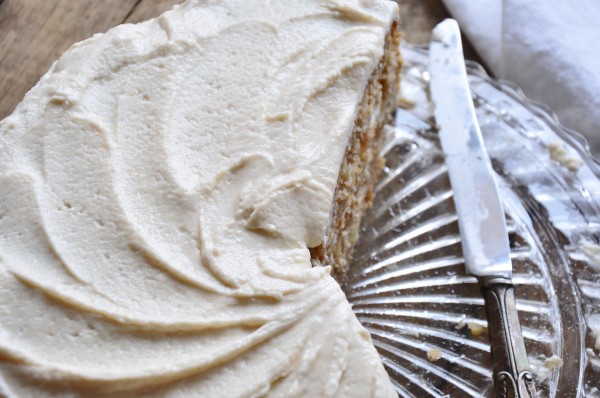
<point>413,333</point>
<point>433,355</point>
<point>554,362</point>
<point>559,153</point>
<point>476,329</point>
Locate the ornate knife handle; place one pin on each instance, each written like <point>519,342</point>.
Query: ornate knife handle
<point>512,376</point>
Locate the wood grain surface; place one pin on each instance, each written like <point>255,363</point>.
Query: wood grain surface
<point>34,33</point>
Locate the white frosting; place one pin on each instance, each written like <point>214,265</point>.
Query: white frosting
<point>160,187</point>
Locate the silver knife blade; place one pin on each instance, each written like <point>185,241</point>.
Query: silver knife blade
<point>476,196</point>
<point>480,213</point>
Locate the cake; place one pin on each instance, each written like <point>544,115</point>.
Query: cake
<point>175,193</point>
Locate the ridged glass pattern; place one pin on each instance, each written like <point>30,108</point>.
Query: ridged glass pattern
<point>407,283</point>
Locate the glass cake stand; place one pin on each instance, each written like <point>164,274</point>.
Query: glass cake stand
<point>407,283</point>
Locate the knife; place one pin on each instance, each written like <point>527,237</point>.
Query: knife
<point>480,214</point>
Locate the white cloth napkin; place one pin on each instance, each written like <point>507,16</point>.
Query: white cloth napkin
<point>550,48</point>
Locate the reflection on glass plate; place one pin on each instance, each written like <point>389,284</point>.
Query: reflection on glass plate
<point>407,282</point>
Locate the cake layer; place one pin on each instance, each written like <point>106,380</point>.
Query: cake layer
<point>362,162</point>
<point>161,187</point>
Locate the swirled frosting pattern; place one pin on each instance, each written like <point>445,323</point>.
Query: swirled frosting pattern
<point>160,188</point>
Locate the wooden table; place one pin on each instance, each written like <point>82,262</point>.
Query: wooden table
<point>34,33</point>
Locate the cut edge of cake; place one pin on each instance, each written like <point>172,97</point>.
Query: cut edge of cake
<point>362,162</point>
